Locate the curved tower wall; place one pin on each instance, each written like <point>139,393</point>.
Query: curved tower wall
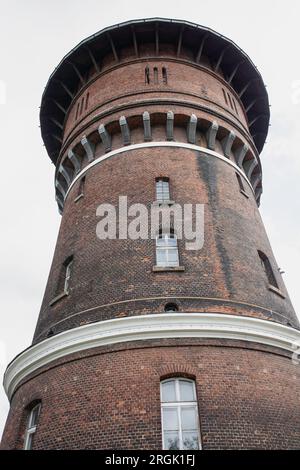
<point>153,107</point>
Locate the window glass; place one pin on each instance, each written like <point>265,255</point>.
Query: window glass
<point>179,409</point>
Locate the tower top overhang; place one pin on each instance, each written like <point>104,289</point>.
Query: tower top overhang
<point>237,69</point>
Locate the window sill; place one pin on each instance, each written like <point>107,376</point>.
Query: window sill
<point>160,269</point>
<point>78,197</point>
<point>276,291</point>
<point>58,297</point>
<point>163,203</point>
<point>244,193</point>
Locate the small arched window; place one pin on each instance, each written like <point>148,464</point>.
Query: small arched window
<point>179,411</point>
<point>265,262</point>
<point>166,249</point>
<point>155,71</point>
<point>31,427</point>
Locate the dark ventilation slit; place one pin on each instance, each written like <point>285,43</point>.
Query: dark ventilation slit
<point>165,76</point>
<point>77,110</point>
<point>87,100</point>
<point>147,75</point>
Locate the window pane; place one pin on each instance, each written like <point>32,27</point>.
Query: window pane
<point>162,190</point>
<point>188,418</point>
<point>186,390</point>
<point>168,392</point>
<point>170,419</point>
<point>34,416</point>
<point>171,441</point>
<point>190,441</point>
<point>172,255</point>
<point>160,255</point>
<point>29,441</point>
<point>160,241</point>
<point>171,241</point>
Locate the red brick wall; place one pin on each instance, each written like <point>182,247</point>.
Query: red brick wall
<point>126,83</point>
<point>247,398</point>
<point>115,278</point>
<point>110,398</point>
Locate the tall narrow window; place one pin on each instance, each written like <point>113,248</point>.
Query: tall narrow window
<point>265,262</point>
<point>81,186</point>
<point>162,189</point>
<point>31,426</point>
<point>164,76</point>
<point>68,272</point>
<point>147,75</point>
<point>180,422</point>
<point>155,72</point>
<point>166,250</point>
<point>241,184</point>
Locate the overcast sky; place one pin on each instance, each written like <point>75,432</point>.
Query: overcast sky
<point>34,36</point>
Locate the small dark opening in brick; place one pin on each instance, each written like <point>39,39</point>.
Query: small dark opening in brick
<point>171,307</point>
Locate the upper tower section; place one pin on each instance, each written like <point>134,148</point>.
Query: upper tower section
<point>153,73</point>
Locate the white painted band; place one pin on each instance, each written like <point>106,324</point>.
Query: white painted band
<point>158,144</point>
<point>159,326</point>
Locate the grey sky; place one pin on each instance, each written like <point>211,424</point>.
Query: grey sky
<point>34,36</point>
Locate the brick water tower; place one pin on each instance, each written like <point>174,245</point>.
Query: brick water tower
<point>144,344</point>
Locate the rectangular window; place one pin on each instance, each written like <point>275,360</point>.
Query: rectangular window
<point>167,250</point>
<point>179,409</point>
<point>31,426</point>
<point>81,186</point>
<point>240,181</point>
<point>266,265</point>
<point>162,189</point>
<point>68,272</point>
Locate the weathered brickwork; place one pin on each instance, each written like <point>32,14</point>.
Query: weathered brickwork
<point>114,278</point>
<point>109,397</point>
<point>247,399</point>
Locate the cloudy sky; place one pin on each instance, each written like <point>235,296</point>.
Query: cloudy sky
<point>34,36</point>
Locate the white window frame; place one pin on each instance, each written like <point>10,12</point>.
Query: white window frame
<point>179,405</point>
<point>31,427</point>
<point>160,186</point>
<point>166,249</point>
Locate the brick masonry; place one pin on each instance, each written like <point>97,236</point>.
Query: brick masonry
<point>109,398</point>
<point>247,398</point>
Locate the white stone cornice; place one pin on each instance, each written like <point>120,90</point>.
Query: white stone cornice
<point>184,145</point>
<point>146,327</point>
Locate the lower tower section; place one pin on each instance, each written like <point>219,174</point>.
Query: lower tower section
<point>110,396</point>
